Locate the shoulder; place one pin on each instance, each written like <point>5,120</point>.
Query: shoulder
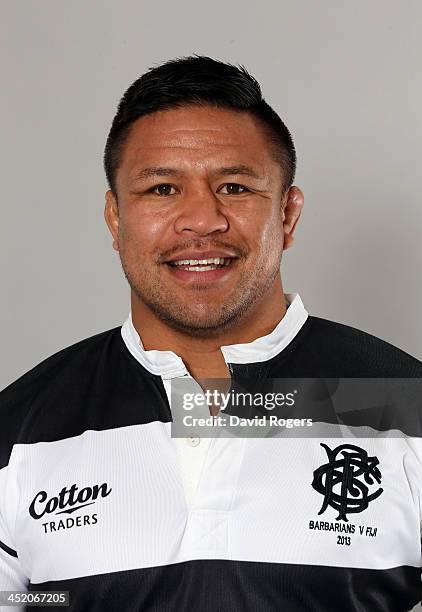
<point>364,351</point>
<point>329,348</point>
<point>52,383</point>
<point>66,362</point>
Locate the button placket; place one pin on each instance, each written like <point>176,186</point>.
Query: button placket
<point>210,493</point>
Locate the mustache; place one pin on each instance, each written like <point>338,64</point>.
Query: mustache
<point>202,245</point>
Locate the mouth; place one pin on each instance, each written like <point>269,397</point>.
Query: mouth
<point>201,265</point>
<point>201,270</point>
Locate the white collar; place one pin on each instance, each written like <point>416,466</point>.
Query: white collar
<point>169,365</point>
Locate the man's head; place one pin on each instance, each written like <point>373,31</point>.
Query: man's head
<point>200,167</point>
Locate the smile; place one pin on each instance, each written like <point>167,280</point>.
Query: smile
<point>203,271</point>
<point>201,265</point>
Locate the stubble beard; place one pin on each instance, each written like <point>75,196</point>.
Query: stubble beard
<point>203,319</point>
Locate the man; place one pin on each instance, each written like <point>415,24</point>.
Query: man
<point>97,497</point>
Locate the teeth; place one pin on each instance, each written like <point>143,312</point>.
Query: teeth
<point>200,268</point>
<point>195,262</point>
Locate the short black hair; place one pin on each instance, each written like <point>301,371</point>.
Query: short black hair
<point>202,81</point>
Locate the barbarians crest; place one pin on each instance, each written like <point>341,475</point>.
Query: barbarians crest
<point>346,480</point>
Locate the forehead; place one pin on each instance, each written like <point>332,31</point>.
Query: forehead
<point>196,136</point>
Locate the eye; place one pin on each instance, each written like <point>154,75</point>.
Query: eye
<point>233,189</point>
<point>163,189</point>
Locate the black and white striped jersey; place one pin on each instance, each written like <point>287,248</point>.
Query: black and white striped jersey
<point>97,498</point>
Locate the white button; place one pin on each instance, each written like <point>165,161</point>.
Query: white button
<point>193,441</point>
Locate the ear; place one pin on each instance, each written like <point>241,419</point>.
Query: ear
<point>111,215</point>
<point>292,207</point>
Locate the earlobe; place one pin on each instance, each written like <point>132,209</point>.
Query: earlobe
<point>111,215</point>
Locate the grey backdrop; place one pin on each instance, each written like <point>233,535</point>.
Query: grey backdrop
<point>345,76</point>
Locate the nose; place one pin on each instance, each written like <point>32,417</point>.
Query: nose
<point>200,211</point>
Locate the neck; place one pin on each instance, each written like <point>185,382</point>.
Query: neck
<point>155,334</point>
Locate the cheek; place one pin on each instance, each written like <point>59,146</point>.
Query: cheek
<point>264,236</point>
<point>139,233</point>
<point>273,231</point>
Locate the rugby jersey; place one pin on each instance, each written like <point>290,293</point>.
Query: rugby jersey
<point>99,499</point>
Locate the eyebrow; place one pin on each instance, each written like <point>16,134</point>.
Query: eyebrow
<point>223,171</point>
<point>156,171</point>
<point>241,169</point>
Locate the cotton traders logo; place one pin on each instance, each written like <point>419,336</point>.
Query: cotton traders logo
<point>346,479</point>
<point>67,501</point>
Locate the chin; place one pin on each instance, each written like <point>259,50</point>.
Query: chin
<point>198,325</point>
